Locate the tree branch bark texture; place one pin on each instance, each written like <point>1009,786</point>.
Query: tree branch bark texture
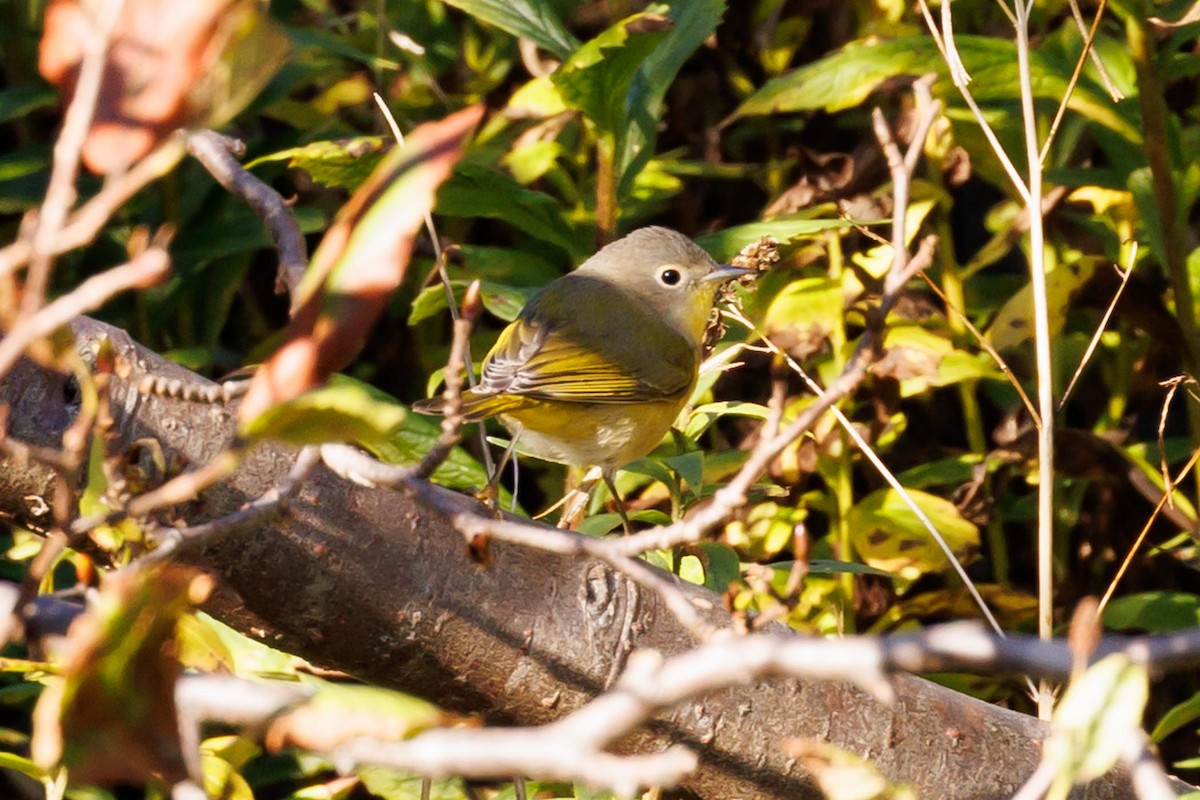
<point>378,584</point>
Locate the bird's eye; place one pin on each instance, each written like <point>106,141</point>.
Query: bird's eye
<point>670,276</point>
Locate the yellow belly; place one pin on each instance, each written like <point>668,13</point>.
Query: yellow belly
<point>592,434</point>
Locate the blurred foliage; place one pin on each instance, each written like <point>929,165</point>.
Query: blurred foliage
<point>726,123</point>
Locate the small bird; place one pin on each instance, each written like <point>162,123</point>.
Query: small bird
<point>600,361</point>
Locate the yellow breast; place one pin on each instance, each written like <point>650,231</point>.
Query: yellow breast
<point>593,434</point>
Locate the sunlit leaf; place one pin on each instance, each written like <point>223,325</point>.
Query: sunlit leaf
<point>596,78</point>
<point>888,535</point>
<point>847,77</point>
<point>725,244</point>
<point>475,191</point>
<point>1014,325</point>
<point>693,22</point>
<point>1092,724</point>
<point>766,530</point>
<point>535,20</point>
<point>342,163</point>
<point>168,65</point>
<point>335,413</point>
<point>111,718</point>
<point>339,713</point>
<point>360,261</point>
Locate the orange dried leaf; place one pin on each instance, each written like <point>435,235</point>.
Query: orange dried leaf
<point>360,262</point>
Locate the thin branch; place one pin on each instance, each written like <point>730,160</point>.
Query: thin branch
<point>1089,38</point>
<point>986,346</point>
<point>217,154</point>
<point>60,192</point>
<point>1146,773</point>
<point>83,225</point>
<point>1042,350</point>
<point>1009,168</point>
<point>889,477</point>
<point>439,257</point>
<point>179,489</point>
<point>144,270</point>
<point>1162,503</point>
<point>1091,348</point>
<point>171,541</point>
<point>456,366</point>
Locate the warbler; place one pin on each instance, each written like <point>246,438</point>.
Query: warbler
<point>600,361</point>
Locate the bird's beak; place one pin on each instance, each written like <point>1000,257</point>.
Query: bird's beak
<point>724,272</point>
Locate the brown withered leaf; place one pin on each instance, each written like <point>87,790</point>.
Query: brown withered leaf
<point>111,717</point>
<point>168,65</point>
<point>360,262</point>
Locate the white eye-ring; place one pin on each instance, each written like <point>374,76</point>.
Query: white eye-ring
<point>670,276</point>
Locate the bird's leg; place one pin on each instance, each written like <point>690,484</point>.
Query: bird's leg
<point>608,475</point>
<point>489,495</point>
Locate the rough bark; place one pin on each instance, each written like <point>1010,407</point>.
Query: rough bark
<point>372,582</point>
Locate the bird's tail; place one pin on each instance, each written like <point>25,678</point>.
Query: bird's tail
<point>476,405</point>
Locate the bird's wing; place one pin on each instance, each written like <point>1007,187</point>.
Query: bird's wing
<point>543,355</point>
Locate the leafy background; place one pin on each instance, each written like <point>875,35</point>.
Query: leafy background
<point>727,124</point>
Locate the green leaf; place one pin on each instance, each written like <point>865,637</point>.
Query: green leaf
<point>600,524</point>
<point>1155,612</point>
<point>690,467</point>
<point>340,412</point>
<point>888,535</point>
<point>1176,717</point>
<point>693,22</point>
<point>23,99</point>
<point>22,765</point>
<point>846,78</point>
<point>597,77</point>
<point>474,191</point>
<point>704,416</point>
<point>767,529</point>
<point>222,780</point>
<point>724,245</point>
<point>805,315</point>
<point>392,785</point>
<point>535,20</point>
<point>720,562</point>
<point>1092,724</point>
<point>343,163</point>
<point>1013,325</point>
<point>504,301</point>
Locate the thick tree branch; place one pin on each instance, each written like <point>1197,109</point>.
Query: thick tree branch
<point>378,583</point>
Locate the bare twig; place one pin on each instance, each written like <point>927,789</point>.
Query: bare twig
<point>1009,168</point>
<point>83,225</point>
<point>179,489</point>
<point>1162,503</point>
<point>144,270</point>
<point>440,258</point>
<point>171,541</point>
<point>985,345</point>
<point>217,153</point>
<point>60,192</point>
<point>1091,348</point>
<point>1146,773</point>
<point>1089,38</point>
<point>456,366</point>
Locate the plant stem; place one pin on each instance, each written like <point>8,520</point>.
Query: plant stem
<point>606,188</point>
<point>1143,51</point>
<point>952,287</point>
<point>1045,371</point>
